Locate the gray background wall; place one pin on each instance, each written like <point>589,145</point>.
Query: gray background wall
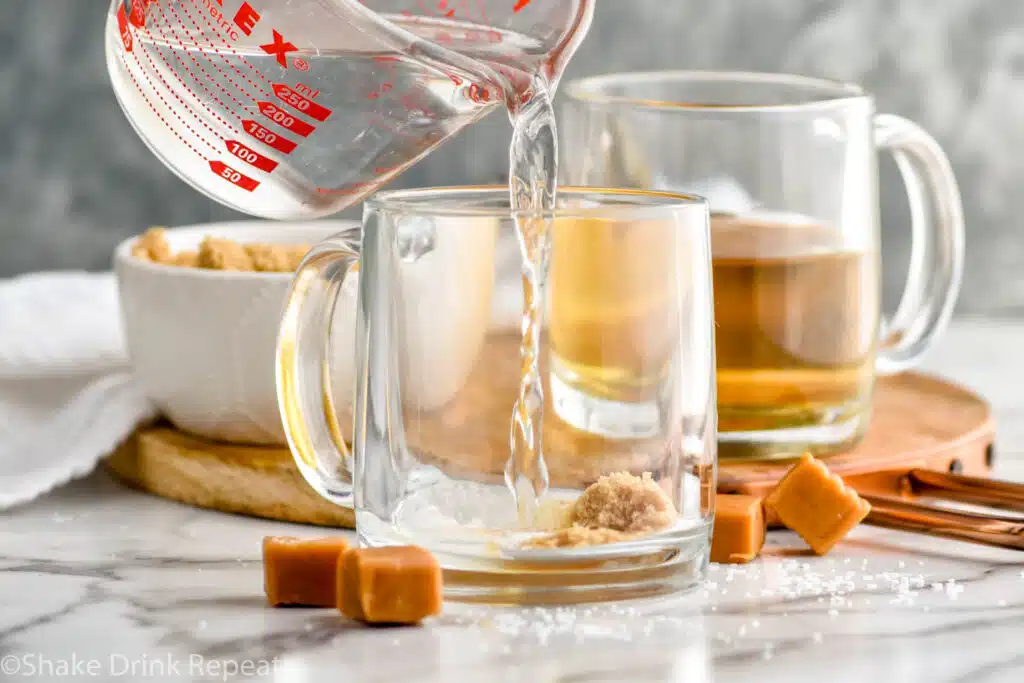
<point>74,179</point>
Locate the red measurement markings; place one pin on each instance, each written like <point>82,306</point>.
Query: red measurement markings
<point>154,89</point>
<point>138,13</point>
<point>232,51</point>
<point>304,105</point>
<point>208,77</point>
<point>250,156</point>
<point>164,121</point>
<point>195,78</point>
<point>520,4</point>
<point>221,51</point>
<point>174,92</point>
<point>268,137</point>
<point>234,177</point>
<point>285,120</point>
<point>123,30</point>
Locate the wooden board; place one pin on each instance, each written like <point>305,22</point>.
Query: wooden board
<point>249,480</point>
<point>918,421</point>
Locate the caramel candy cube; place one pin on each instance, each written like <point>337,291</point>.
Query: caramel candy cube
<point>298,571</point>
<point>816,504</point>
<point>393,585</point>
<point>739,528</point>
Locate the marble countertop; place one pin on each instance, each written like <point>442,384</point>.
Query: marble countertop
<point>98,582</point>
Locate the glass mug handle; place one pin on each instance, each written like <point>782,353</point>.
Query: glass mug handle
<point>303,369</point>
<point>937,225</point>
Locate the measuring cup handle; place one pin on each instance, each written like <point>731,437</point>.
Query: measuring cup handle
<point>303,368</point>
<point>937,226</point>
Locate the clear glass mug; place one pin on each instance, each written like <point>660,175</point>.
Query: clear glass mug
<point>790,168</point>
<point>429,339</point>
<point>299,108</point>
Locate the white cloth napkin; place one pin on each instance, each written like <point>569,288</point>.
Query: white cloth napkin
<point>67,397</point>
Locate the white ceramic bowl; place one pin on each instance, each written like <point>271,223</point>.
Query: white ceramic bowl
<point>202,342</point>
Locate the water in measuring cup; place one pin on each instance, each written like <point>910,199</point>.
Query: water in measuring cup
<point>289,130</point>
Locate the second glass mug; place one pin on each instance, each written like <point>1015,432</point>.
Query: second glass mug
<point>789,165</point>
<point>435,363</point>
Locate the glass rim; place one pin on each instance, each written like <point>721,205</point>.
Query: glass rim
<point>838,93</point>
<point>419,201</point>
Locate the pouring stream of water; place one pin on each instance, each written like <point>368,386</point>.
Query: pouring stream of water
<point>533,158</point>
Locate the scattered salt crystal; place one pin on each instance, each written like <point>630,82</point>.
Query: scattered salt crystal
<point>742,632</point>
<point>768,652</point>
<point>1001,603</point>
<point>833,613</point>
<point>201,625</point>
<point>757,624</point>
<point>817,637</point>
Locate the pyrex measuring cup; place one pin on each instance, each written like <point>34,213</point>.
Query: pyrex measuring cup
<point>299,108</point>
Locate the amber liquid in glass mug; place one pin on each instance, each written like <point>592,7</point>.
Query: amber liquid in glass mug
<point>796,323</point>
<point>789,165</point>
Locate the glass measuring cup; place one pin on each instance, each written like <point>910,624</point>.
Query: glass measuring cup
<point>299,108</point>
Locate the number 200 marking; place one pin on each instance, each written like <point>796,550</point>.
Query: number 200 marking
<point>278,116</point>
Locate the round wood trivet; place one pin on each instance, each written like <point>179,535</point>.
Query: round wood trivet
<point>918,421</point>
<point>249,480</point>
